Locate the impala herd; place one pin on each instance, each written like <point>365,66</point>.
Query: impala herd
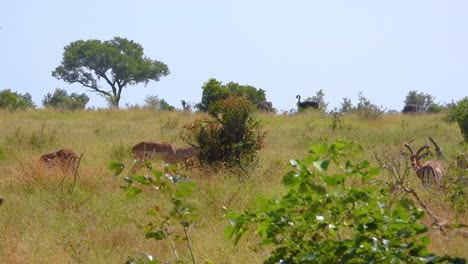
<point>430,173</point>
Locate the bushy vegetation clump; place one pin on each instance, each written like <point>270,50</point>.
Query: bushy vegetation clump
<point>12,100</point>
<point>336,216</point>
<point>459,113</point>
<point>61,100</point>
<point>214,90</point>
<point>365,109</point>
<point>230,136</point>
<point>153,102</point>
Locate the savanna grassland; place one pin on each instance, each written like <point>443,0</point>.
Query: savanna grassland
<point>42,221</point>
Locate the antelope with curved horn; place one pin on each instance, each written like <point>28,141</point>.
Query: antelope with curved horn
<point>148,150</point>
<point>431,171</point>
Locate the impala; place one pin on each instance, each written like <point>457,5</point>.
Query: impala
<point>64,158</point>
<point>165,151</point>
<point>431,171</point>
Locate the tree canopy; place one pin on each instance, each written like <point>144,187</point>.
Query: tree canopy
<point>119,62</point>
<point>61,99</point>
<point>13,100</point>
<point>214,90</point>
<point>422,101</point>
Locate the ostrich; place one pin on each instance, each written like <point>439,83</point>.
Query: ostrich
<point>306,104</point>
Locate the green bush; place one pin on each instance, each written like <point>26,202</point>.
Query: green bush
<point>459,113</point>
<point>338,217</point>
<point>152,102</point>
<point>60,99</point>
<point>424,102</point>
<point>435,108</point>
<point>230,136</point>
<point>214,90</point>
<point>13,100</point>
<point>367,110</point>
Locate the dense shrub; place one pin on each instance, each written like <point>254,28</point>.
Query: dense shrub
<point>229,136</point>
<point>367,110</point>
<point>60,99</point>
<point>435,108</point>
<point>338,217</point>
<point>459,113</point>
<point>13,100</point>
<point>319,97</point>
<point>423,102</point>
<point>153,102</point>
<point>214,90</point>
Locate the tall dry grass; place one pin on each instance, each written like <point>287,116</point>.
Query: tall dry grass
<point>42,221</point>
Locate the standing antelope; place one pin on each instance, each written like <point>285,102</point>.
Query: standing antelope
<point>165,151</point>
<point>431,171</point>
<point>64,158</point>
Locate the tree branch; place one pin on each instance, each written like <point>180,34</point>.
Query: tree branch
<point>93,88</point>
<point>104,76</point>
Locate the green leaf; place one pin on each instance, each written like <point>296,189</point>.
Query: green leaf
<point>318,189</point>
<point>158,235</point>
<point>116,167</point>
<point>308,160</point>
<point>290,179</point>
<point>132,191</point>
<point>141,179</point>
<point>321,165</point>
<point>333,180</point>
<point>319,149</point>
<point>157,174</point>
<point>184,189</point>
<point>374,171</point>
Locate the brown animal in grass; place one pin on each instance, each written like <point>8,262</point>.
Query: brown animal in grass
<point>149,150</point>
<point>64,158</point>
<point>431,172</point>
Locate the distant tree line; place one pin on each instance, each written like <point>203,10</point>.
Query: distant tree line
<point>119,63</point>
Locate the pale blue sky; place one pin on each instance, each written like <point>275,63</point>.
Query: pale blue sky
<point>383,48</point>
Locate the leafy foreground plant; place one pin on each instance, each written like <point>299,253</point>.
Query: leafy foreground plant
<point>332,214</point>
<point>177,190</point>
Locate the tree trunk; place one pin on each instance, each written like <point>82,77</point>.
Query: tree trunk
<point>114,100</point>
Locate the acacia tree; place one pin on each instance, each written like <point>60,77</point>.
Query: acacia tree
<point>119,62</point>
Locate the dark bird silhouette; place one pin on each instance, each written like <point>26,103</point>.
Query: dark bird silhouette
<point>306,104</point>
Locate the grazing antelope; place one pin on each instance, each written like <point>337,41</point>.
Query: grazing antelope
<point>431,171</point>
<point>165,151</point>
<point>64,158</point>
<point>306,104</point>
